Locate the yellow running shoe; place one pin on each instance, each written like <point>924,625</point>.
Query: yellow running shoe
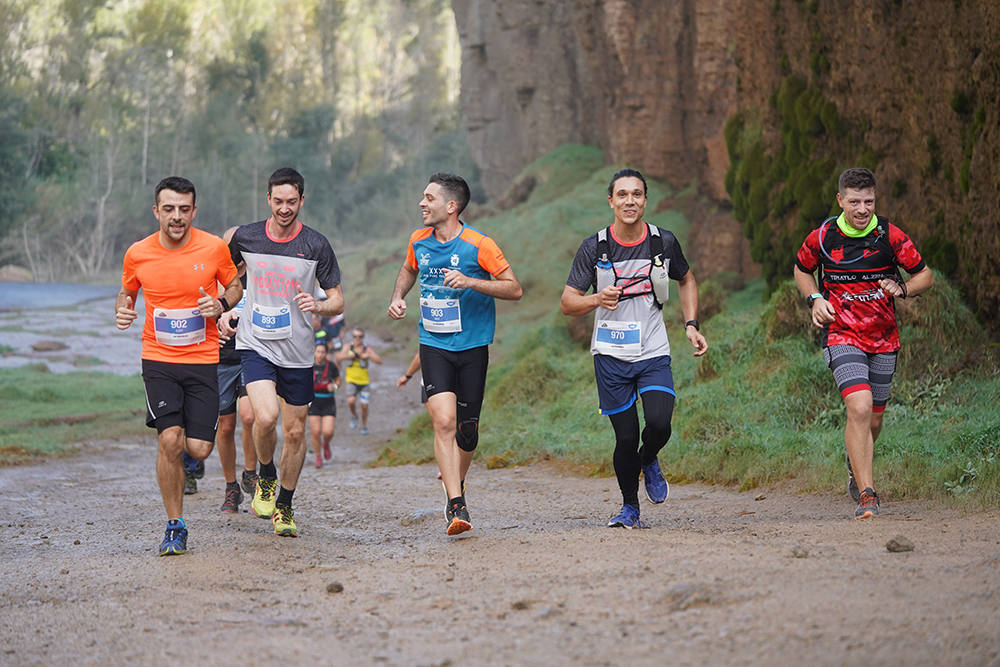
<point>264,497</point>
<point>283,521</point>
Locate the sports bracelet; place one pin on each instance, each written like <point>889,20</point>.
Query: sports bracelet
<point>223,303</point>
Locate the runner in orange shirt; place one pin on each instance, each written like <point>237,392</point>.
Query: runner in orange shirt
<point>178,269</point>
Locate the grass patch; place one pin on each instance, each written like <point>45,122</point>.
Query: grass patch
<point>42,413</point>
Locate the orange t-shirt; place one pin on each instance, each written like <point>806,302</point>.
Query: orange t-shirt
<point>174,330</point>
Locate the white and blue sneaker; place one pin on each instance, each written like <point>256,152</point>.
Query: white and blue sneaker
<point>627,518</point>
<point>657,488</point>
<point>354,423</point>
<point>175,538</point>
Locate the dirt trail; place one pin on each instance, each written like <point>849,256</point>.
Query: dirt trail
<point>539,580</point>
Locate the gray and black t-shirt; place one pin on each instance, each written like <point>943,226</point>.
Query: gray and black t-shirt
<point>271,323</point>
<point>638,314</point>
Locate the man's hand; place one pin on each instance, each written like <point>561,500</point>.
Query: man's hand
<point>697,341</point>
<point>125,315</point>
<point>225,326</point>
<point>209,305</point>
<point>822,312</point>
<point>456,279</point>
<point>892,288</point>
<point>305,302</point>
<point>608,297</point>
<point>397,309</point>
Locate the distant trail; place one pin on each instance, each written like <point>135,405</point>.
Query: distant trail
<point>539,580</point>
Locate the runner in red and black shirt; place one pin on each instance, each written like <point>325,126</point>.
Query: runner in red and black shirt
<point>858,254</point>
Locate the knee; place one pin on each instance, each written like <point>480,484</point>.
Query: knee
<point>171,442</point>
<point>859,407</point>
<point>265,420</point>
<point>467,435</point>
<point>199,449</point>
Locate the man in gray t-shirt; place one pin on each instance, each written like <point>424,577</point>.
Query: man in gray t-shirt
<point>285,261</point>
<point>629,266</point>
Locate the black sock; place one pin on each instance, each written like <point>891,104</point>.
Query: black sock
<point>231,485</point>
<point>284,497</point>
<point>460,500</point>
<point>268,471</point>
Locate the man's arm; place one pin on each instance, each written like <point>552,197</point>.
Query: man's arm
<point>404,281</point>
<point>575,302</point>
<point>503,286</point>
<point>410,370</point>
<point>371,355</point>
<point>687,290</point>
<point>124,313</point>
<point>333,304</point>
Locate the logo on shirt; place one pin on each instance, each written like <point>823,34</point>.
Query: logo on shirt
<point>425,258</point>
<point>454,260</point>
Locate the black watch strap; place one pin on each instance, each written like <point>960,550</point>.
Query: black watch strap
<point>224,303</point>
<point>692,323</point>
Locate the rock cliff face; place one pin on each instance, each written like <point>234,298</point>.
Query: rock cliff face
<point>653,83</point>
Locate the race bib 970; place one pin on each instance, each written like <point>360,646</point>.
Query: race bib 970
<point>618,338</point>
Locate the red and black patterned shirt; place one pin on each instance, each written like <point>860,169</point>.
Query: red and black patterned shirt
<point>864,314</point>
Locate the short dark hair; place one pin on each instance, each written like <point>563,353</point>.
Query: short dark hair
<point>175,184</point>
<point>856,178</point>
<point>287,176</point>
<point>626,173</point>
<point>455,187</point>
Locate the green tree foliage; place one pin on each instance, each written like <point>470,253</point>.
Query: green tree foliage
<point>100,99</point>
<point>778,196</point>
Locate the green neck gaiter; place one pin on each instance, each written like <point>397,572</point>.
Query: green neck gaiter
<point>850,230</point>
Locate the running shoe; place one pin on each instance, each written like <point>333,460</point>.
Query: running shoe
<point>327,454</point>
<point>190,484</point>
<point>283,520</point>
<point>264,498</point>
<point>233,499</point>
<point>364,430</point>
<point>868,505</point>
<point>627,518</point>
<point>319,460</point>
<point>852,484</point>
<point>193,465</point>
<point>657,488</point>
<point>458,518</point>
<point>249,481</point>
<point>354,423</point>
<point>175,540</point>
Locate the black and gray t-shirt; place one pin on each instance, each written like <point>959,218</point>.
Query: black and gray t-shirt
<point>637,315</point>
<point>272,324</point>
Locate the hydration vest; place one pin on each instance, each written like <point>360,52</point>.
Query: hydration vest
<point>878,236</point>
<point>659,267</point>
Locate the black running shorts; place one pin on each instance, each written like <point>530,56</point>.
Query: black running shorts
<point>185,395</point>
<point>461,373</point>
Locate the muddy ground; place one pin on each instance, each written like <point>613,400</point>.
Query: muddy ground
<point>720,577</point>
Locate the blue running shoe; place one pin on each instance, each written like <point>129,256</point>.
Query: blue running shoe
<point>175,541</point>
<point>627,518</point>
<point>192,465</point>
<point>657,488</point>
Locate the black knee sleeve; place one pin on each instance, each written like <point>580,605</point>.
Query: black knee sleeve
<point>467,435</point>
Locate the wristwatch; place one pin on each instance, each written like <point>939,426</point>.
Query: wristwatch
<point>692,323</point>
<point>812,297</point>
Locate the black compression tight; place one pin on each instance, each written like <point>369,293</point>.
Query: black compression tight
<point>657,409</point>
